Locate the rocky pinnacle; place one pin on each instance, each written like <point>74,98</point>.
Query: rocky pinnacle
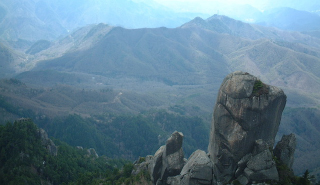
<point>246,110</point>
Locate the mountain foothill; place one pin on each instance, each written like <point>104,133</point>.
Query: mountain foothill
<point>102,76</point>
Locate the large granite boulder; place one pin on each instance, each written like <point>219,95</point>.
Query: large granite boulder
<point>168,160</point>
<point>156,165</point>
<point>173,156</point>
<point>261,167</point>
<point>246,110</point>
<point>198,169</point>
<point>245,122</point>
<point>284,150</point>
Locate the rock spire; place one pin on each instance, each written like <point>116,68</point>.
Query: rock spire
<point>246,110</point>
<point>245,122</point>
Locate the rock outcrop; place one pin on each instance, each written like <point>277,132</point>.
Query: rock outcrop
<point>92,152</point>
<point>246,110</point>
<point>48,143</point>
<point>167,161</point>
<point>198,169</point>
<point>284,150</point>
<point>257,166</point>
<point>245,122</point>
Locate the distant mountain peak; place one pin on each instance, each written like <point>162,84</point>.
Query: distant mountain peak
<point>198,21</point>
<point>218,16</point>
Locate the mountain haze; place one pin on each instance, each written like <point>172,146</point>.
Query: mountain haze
<point>290,19</point>
<point>6,59</point>
<point>49,19</point>
<point>195,50</point>
<point>187,63</point>
<point>62,61</point>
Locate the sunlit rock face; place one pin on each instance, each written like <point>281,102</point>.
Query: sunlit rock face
<point>246,110</point>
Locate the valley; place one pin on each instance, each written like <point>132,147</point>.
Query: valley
<point>104,77</point>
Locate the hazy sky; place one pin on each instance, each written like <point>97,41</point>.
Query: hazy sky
<point>210,7</point>
<point>207,1</point>
<point>206,6</point>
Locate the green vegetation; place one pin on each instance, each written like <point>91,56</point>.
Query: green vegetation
<point>141,159</point>
<point>128,136</point>
<point>257,85</point>
<point>103,131</point>
<point>13,110</point>
<point>24,160</point>
<point>304,122</point>
<point>287,177</point>
<point>259,88</point>
<point>21,150</point>
<point>114,135</point>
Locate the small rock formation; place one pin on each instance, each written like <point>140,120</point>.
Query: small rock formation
<point>167,161</point>
<point>284,150</point>
<point>79,147</point>
<point>48,143</point>
<point>257,166</point>
<point>261,167</point>
<point>245,122</point>
<point>173,156</point>
<point>284,154</point>
<point>92,152</point>
<point>198,169</point>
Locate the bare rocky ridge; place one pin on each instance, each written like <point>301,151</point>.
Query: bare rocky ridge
<point>245,122</point>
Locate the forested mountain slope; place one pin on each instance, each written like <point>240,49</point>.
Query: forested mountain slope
<point>172,68</point>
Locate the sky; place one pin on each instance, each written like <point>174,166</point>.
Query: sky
<point>205,6</point>
<point>229,8</point>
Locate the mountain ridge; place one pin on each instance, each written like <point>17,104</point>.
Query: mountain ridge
<point>282,19</point>
<point>179,66</point>
<point>36,20</point>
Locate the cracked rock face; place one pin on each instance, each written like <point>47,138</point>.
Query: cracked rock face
<point>168,161</point>
<point>173,157</point>
<point>261,167</point>
<point>198,169</point>
<point>246,110</point>
<point>285,148</point>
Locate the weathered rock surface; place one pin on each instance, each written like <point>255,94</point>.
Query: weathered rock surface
<point>245,122</point>
<point>48,143</point>
<point>168,161</point>
<point>285,148</point>
<point>142,164</point>
<point>92,152</point>
<point>246,110</point>
<point>198,169</point>
<point>156,165</point>
<point>173,158</point>
<point>261,167</point>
